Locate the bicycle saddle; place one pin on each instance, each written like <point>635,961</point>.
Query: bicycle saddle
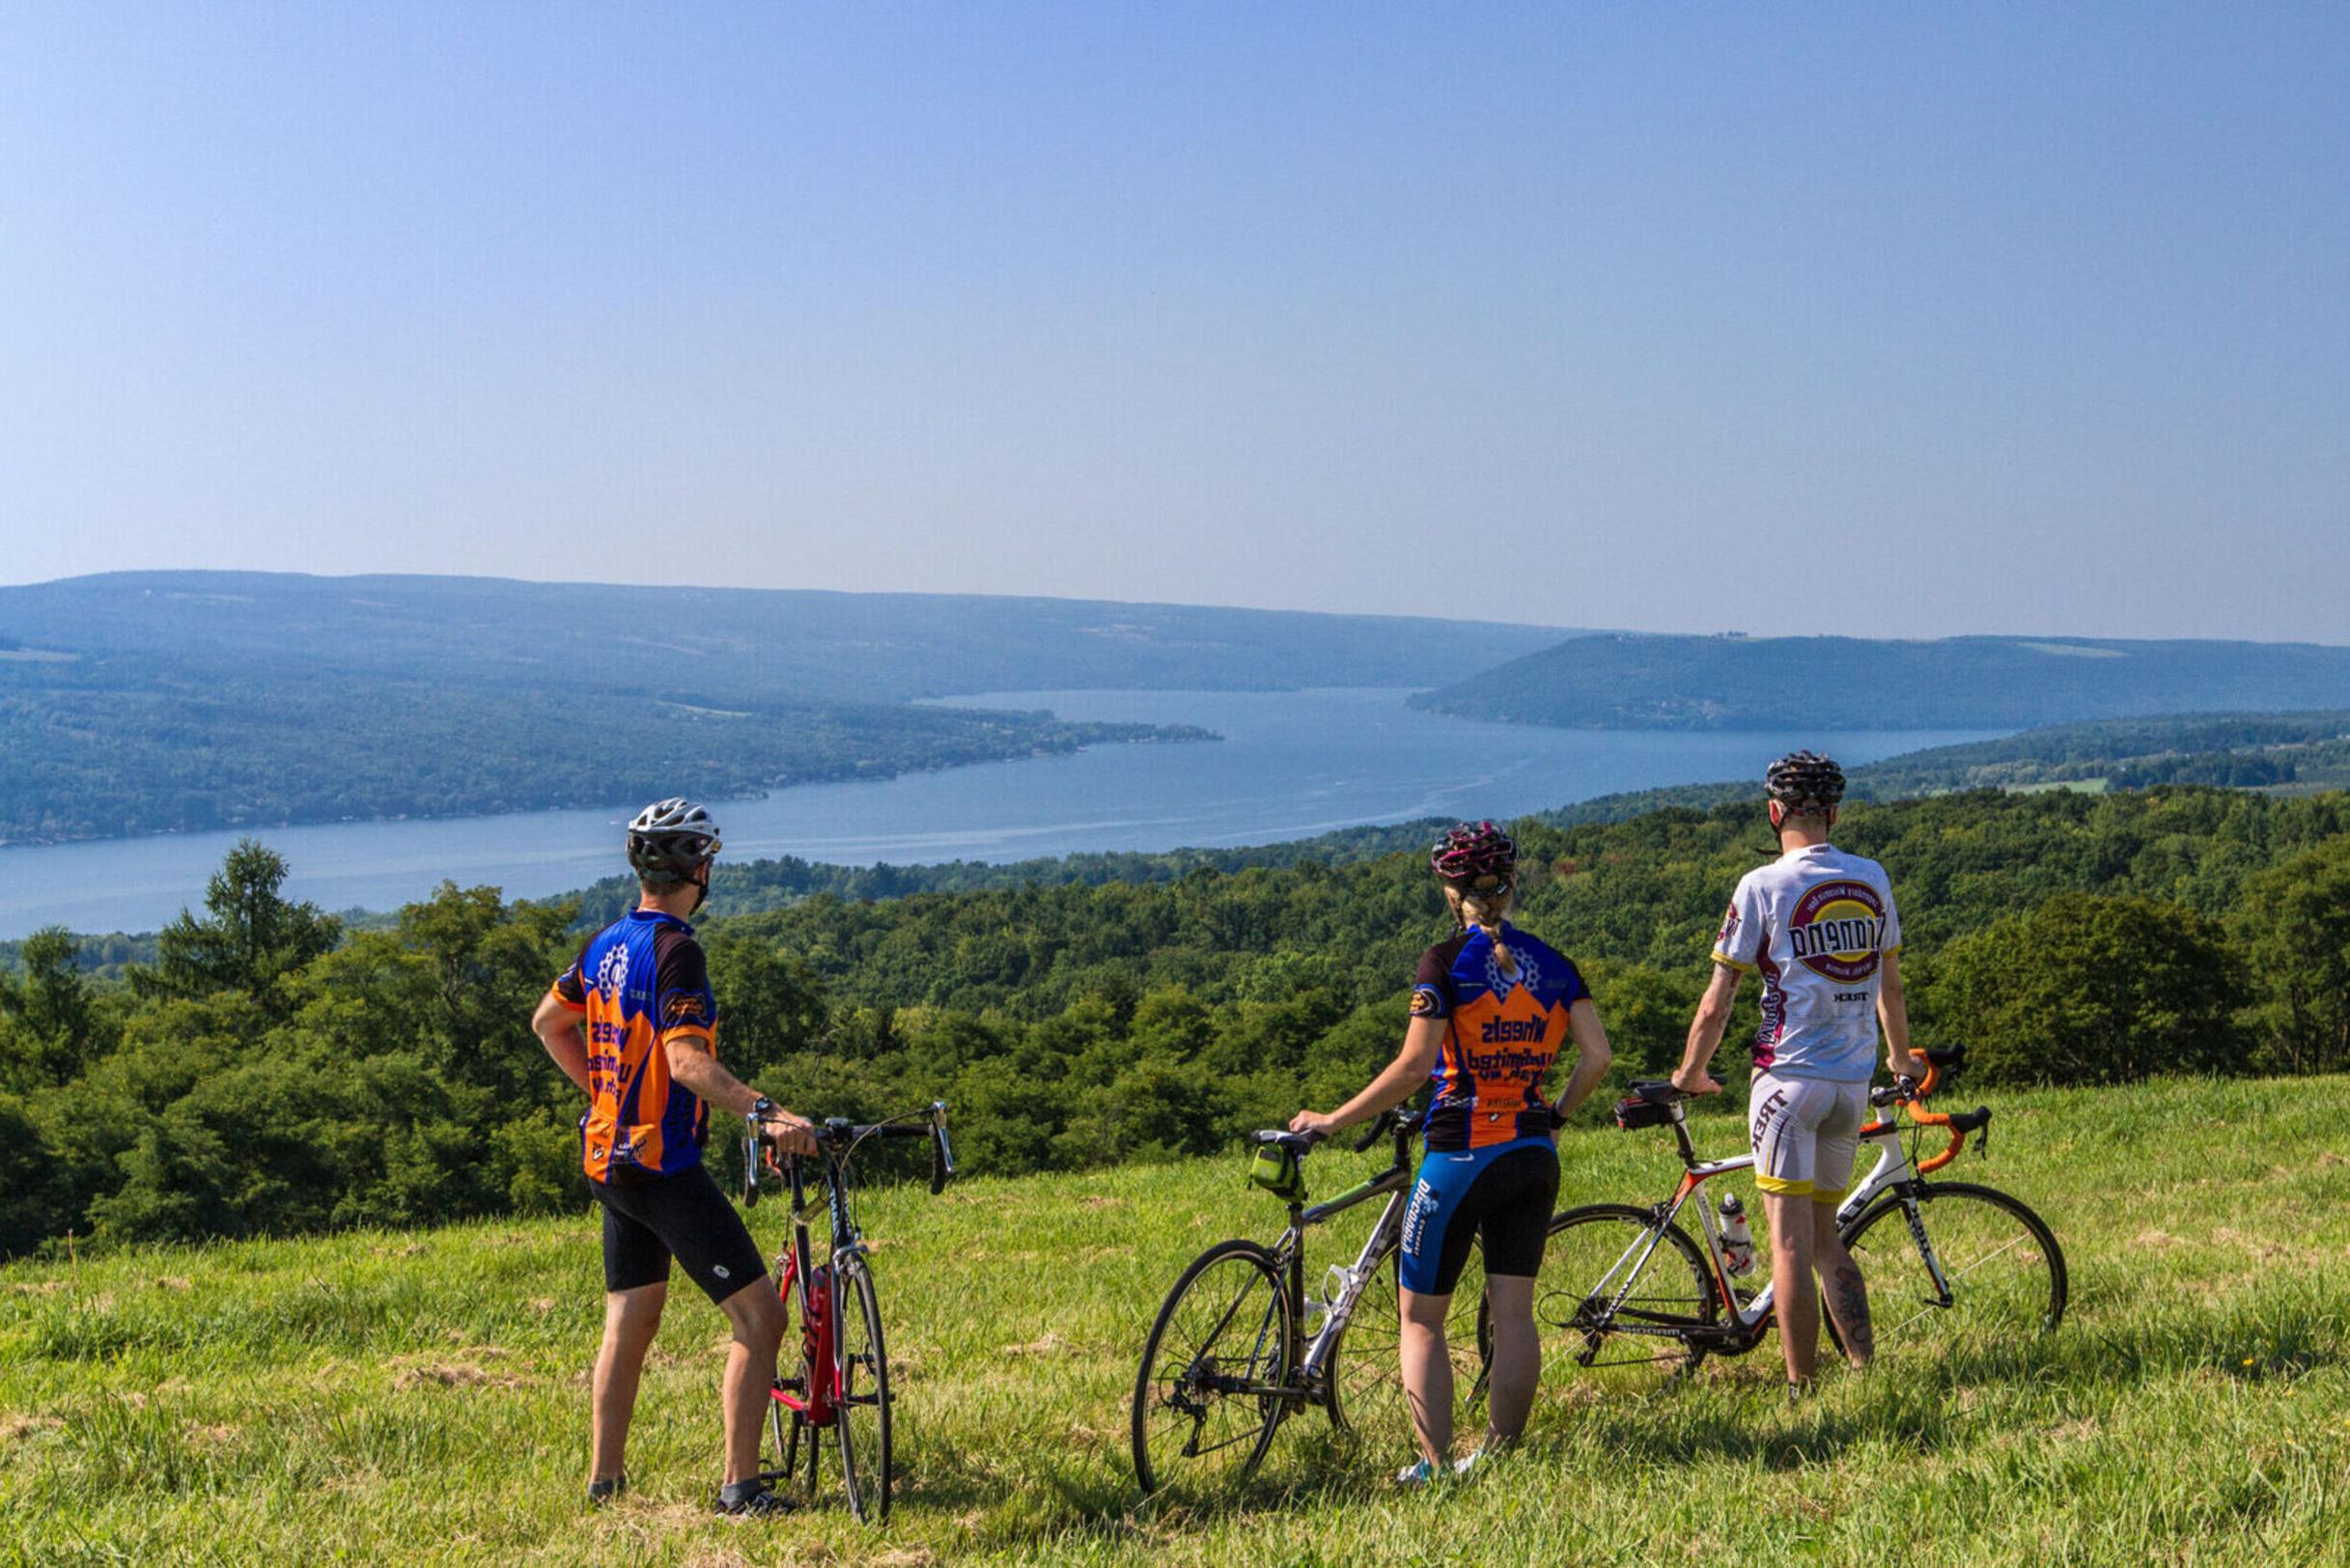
<point>1656,1091</point>
<point>1296,1143</point>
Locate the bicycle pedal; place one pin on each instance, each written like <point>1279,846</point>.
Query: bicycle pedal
<point>796,1385</point>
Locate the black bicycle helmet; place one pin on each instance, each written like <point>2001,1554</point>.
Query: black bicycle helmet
<point>670,840</point>
<point>1805,782</point>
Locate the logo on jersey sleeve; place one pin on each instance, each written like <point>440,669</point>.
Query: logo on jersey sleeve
<point>1728,933</point>
<point>1838,929</point>
<point>685,1009</point>
<point>1426,1003</point>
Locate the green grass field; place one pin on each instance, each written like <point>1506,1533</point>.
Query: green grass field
<point>397,1397</point>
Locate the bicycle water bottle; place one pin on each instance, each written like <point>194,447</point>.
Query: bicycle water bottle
<point>1736,1236</point>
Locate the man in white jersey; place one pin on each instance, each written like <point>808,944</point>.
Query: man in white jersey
<point>1820,926</point>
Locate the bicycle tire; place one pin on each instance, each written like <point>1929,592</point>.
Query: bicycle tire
<point>1233,1288</point>
<point>1580,1332</point>
<point>861,1418</point>
<point>2006,1276</point>
<point>1363,1372</point>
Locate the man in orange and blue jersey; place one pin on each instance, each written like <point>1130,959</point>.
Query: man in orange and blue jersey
<point>635,1023</point>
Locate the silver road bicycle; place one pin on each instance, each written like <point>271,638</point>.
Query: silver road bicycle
<point>1239,1344</point>
<point>1955,1262</point>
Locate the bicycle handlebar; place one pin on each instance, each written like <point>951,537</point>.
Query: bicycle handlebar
<point>1959,1123</point>
<point>838,1134</point>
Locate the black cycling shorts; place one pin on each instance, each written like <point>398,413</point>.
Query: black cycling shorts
<point>1500,1197</point>
<point>650,1220</point>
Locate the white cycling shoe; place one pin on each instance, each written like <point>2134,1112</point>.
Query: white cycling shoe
<point>1417,1474</point>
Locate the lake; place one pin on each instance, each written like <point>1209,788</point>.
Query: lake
<point>1293,764</point>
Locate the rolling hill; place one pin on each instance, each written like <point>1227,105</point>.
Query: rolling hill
<point>1629,681</point>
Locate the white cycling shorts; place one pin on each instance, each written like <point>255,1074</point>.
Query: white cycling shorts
<point>1806,1134</point>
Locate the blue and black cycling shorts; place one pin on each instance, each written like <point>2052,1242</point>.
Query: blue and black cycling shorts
<point>1500,1197</point>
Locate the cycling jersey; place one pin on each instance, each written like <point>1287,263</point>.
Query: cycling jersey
<point>641,982</point>
<point>1503,1033</point>
<point>1817,922</point>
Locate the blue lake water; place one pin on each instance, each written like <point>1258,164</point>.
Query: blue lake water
<point>1292,763</point>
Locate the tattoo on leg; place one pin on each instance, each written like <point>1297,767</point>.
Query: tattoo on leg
<point>1851,1297</point>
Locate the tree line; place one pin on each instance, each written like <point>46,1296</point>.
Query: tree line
<point>271,1071</point>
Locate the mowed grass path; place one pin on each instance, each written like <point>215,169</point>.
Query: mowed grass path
<point>421,1397</point>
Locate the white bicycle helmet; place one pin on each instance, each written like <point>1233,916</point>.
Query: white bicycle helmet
<point>670,840</point>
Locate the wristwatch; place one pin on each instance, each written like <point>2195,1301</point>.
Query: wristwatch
<point>762,1107</point>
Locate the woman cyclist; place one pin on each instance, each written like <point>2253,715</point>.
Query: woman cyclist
<point>1490,1010</point>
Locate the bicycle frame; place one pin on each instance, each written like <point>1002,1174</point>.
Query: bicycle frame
<point>812,1285</point>
<point>1751,1319</point>
<point>1309,1358</point>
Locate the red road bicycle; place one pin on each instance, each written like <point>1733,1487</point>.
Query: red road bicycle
<point>843,1382</point>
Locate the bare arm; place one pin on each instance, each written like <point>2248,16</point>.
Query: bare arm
<point>1422,1039</point>
<point>692,1064</point>
<point>1592,1055</point>
<point>1705,1033</point>
<point>1893,1012</point>
<point>557,1027</point>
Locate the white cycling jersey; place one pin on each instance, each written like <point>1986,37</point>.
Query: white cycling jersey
<point>1817,923</point>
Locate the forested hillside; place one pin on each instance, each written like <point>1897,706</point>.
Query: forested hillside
<point>1625,681</point>
<point>270,1072</point>
<point>737,643</point>
<point>167,702</point>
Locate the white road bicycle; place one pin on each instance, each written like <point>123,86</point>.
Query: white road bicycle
<point>1953,1262</point>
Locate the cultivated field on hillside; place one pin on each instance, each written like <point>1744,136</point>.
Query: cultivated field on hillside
<point>420,1396</point>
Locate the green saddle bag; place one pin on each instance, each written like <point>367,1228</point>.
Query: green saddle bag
<point>1275,1170</point>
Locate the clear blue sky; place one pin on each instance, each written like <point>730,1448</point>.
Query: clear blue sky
<point>1893,320</point>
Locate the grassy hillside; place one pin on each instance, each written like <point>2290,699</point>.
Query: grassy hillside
<point>386,1397</point>
<point>1629,682</point>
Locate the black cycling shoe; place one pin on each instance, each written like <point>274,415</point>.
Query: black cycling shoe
<point>753,1500</point>
<point>607,1490</point>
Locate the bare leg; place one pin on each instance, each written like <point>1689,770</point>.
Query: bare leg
<point>1798,1302</point>
<point>630,1319</point>
<point>756,1314</point>
<point>1509,1387</point>
<point>1842,1288</point>
<point>1428,1373</point>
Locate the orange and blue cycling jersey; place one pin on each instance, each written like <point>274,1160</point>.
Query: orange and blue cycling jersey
<point>641,982</point>
<point>1502,1031</point>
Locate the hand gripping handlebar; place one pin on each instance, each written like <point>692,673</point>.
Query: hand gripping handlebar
<point>1960,1123</point>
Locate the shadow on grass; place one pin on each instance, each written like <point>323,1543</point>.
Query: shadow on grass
<point>1922,1400</point>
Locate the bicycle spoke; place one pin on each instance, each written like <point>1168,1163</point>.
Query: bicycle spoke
<point>1203,1404</point>
<point>2004,1274</point>
<point>1618,1291</point>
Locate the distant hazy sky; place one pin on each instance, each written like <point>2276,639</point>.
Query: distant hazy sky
<point>1881,318</point>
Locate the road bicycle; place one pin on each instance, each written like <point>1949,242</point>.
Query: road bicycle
<point>1238,1345</point>
<point>843,1382</point>
<point>1623,1285</point>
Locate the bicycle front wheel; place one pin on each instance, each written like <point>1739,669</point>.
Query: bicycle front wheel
<point>2000,1263</point>
<point>862,1418</point>
<point>1214,1376</point>
<point>1620,1289</point>
<point>1364,1367</point>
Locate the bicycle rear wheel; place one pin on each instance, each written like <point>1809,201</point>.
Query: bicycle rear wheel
<point>2003,1265</point>
<point>862,1418</point>
<point>1365,1368</point>
<point>1618,1290</point>
<point>1213,1381</point>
